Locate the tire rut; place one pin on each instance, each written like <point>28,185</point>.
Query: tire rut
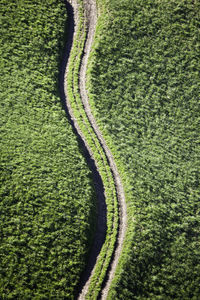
<point>91,19</point>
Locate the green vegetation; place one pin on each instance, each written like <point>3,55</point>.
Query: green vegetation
<point>144,88</point>
<point>143,81</point>
<point>47,198</point>
<point>99,156</point>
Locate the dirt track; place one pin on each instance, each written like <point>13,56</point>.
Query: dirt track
<point>91,16</point>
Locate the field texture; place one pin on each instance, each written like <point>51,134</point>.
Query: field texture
<point>47,198</point>
<point>144,86</point>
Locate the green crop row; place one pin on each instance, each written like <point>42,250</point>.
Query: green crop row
<point>98,154</point>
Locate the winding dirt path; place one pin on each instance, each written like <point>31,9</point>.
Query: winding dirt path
<point>91,19</point>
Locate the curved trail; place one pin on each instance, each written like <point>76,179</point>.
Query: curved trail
<point>91,19</point>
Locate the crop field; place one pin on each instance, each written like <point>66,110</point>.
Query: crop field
<point>144,88</point>
<point>47,197</point>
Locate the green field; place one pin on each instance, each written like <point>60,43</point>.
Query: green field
<point>144,84</point>
<point>47,195</point>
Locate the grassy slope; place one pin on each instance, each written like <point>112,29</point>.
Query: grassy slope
<point>144,82</point>
<point>46,191</point>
